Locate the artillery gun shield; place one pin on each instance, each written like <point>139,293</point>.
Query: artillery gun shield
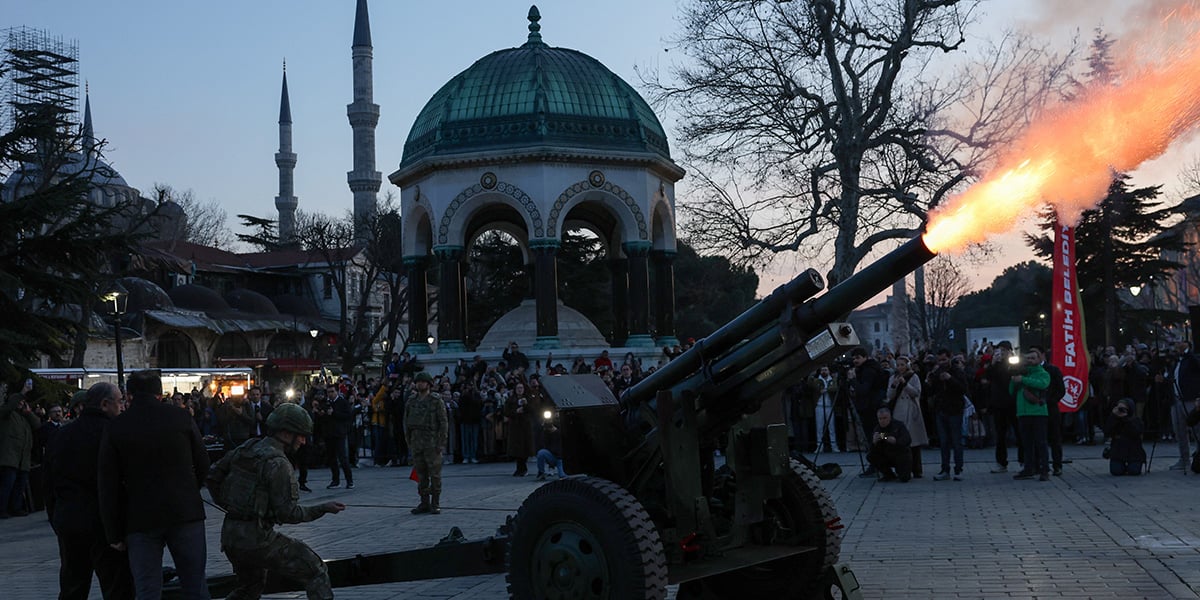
<point>804,516</point>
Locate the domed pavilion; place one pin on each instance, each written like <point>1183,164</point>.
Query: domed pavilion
<point>535,141</point>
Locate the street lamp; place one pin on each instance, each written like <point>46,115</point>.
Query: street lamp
<point>118,298</point>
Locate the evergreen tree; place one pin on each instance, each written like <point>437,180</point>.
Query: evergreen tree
<point>1118,244</point>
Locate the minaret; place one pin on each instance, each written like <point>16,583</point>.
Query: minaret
<point>363,113</point>
<point>88,137</point>
<point>285,159</point>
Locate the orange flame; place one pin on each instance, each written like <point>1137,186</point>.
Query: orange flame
<point>1067,159</point>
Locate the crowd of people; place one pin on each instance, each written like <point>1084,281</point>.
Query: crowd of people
<point>123,471</point>
<point>995,397</point>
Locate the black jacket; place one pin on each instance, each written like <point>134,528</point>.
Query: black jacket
<point>72,493</point>
<point>947,395</point>
<point>338,423</point>
<point>870,386</point>
<point>152,464</point>
<point>899,432</point>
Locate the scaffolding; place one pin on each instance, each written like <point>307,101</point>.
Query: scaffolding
<point>39,78</point>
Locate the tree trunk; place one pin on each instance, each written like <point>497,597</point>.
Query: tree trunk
<point>81,335</point>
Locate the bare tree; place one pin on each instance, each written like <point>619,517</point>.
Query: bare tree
<point>929,317</point>
<point>365,273</point>
<point>828,123</point>
<point>206,221</point>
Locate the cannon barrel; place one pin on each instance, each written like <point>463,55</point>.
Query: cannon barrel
<point>763,314</point>
<point>736,360</point>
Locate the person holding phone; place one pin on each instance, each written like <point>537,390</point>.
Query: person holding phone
<point>17,424</point>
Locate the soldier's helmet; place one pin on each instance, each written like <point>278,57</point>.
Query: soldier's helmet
<point>423,376</point>
<point>290,417</point>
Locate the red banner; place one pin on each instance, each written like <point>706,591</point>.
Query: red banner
<point>1068,347</point>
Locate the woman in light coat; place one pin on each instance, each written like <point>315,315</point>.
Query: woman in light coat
<point>904,398</point>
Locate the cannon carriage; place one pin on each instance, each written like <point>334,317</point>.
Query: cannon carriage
<point>648,504</point>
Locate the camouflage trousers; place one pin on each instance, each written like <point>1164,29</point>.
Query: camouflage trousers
<point>283,557</point>
<point>428,463</point>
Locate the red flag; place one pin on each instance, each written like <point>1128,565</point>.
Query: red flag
<point>413,475</point>
<point>1069,350</point>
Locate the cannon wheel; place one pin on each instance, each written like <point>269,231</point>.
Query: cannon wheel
<point>806,509</point>
<point>585,537</point>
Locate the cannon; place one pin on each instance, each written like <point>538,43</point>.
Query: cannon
<point>647,505</point>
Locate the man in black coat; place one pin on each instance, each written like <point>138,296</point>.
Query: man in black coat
<point>152,464</point>
<point>1054,393</point>
<point>262,410</point>
<point>1002,405</point>
<point>73,505</point>
<point>947,385</point>
<point>868,386</point>
<point>336,419</point>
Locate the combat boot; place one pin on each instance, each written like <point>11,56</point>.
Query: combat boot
<point>434,507</point>
<point>423,507</point>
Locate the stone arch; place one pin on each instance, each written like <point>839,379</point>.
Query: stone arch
<point>232,345</point>
<point>662,225</point>
<point>517,233</point>
<point>283,345</point>
<point>454,218</point>
<point>175,350</point>
<point>417,231</point>
<point>607,193</point>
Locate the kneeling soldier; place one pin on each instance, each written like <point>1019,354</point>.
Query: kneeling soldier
<point>254,484</point>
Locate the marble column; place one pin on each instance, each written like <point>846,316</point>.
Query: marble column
<point>418,303</point>
<point>620,300</point>
<point>545,293</point>
<point>664,297</point>
<point>451,325</point>
<point>639,294</point>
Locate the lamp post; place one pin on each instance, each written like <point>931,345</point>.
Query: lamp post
<point>118,296</point>
<point>1135,289</point>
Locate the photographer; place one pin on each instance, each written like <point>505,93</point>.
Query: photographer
<point>947,385</point>
<point>1124,428</point>
<point>1002,405</point>
<point>868,387</point>
<point>890,444</point>
<point>17,424</point>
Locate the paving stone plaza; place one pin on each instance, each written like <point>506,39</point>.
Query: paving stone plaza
<point>1083,535</point>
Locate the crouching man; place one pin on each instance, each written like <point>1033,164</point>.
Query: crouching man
<point>254,484</point>
<point>890,454</point>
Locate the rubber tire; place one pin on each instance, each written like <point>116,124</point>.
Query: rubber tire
<point>627,538</point>
<point>798,577</point>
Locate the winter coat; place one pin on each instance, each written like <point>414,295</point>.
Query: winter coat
<point>16,434</point>
<point>1126,436</point>
<point>905,401</point>
<point>151,466</point>
<point>72,498</point>
<point>519,442</point>
<point>1031,392</point>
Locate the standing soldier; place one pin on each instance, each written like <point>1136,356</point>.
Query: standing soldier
<point>254,485</point>
<point>426,426</point>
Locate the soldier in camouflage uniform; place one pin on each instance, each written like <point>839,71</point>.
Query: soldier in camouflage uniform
<point>254,485</point>
<point>425,428</point>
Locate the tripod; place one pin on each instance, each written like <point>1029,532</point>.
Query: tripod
<point>854,422</point>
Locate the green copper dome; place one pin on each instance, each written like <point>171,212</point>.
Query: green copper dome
<point>533,96</point>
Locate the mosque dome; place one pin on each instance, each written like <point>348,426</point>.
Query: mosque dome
<point>291,304</point>
<point>197,297</point>
<point>535,96</point>
<point>517,325</point>
<point>144,295</point>
<point>250,301</point>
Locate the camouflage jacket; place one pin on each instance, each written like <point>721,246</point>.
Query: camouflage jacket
<point>254,484</point>
<point>426,423</point>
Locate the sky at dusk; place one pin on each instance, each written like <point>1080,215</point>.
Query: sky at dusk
<point>187,93</point>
